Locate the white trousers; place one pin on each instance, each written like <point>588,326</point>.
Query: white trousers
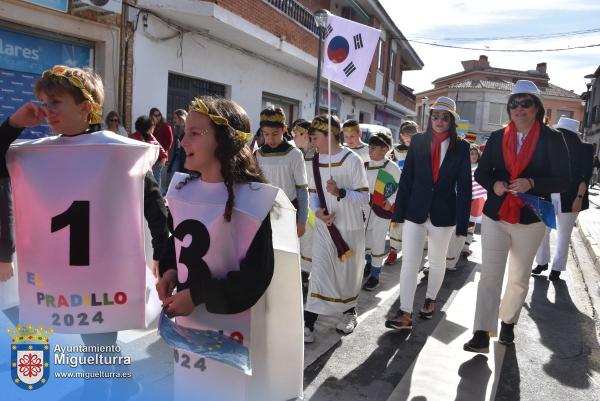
<point>499,240</point>
<point>413,236</point>
<point>564,228</point>
<point>396,236</point>
<point>377,229</point>
<point>457,243</point>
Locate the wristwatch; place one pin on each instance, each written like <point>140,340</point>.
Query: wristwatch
<point>341,194</point>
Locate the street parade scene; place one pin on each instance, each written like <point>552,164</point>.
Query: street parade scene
<point>277,200</point>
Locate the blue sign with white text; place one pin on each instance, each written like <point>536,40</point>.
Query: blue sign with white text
<point>27,53</point>
<point>58,5</point>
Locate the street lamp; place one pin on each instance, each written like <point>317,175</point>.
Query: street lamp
<point>321,17</point>
<point>589,80</point>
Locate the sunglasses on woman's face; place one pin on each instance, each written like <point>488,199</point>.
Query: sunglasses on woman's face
<point>157,115</point>
<point>525,104</point>
<point>114,120</point>
<point>444,117</point>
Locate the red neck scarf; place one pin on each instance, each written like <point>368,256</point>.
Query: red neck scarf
<point>436,152</point>
<point>510,211</point>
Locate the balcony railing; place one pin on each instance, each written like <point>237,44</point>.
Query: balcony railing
<point>297,12</point>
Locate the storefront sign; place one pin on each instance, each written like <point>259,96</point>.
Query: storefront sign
<point>27,53</point>
<point>58,5</point>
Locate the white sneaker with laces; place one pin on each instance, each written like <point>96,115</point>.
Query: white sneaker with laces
<point>309,335</point>
<point>348,323</point>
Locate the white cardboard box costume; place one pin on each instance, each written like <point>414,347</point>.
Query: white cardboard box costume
<point>78,206</point>
<point>272,328</point>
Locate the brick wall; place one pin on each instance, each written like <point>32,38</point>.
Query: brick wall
<point>275,22</point>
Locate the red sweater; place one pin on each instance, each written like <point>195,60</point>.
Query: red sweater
<point>162,155</point>
<point>164,136</point>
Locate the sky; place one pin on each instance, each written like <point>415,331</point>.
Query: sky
<point>478,21</point>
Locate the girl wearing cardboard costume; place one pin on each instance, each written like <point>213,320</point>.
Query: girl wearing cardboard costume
<point>234,259</point>
<point>339,241</point>
<point>283,164</point>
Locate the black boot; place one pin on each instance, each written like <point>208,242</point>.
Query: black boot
<point>479,343</point>
<point>507,334</point>
<point>539,269</point>
<point>554,275</point>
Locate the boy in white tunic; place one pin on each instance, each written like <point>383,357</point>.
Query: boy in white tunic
<point>383,176</point>
<point>337,197</point>
<point>283,164</point>
<point>352,139</point>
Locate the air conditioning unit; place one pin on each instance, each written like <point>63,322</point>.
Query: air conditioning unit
<point>113,6</point>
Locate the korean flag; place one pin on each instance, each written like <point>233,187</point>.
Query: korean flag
<point>349,48</point>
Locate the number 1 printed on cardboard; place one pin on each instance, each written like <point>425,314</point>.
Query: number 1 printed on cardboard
<point>77,217</point>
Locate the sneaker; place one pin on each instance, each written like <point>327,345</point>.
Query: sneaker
<point>391,258</point>
<point>347,324</point>
<point>425,269</point>
<point>309,335</point>
<point>402,321</point>
<point>554,275</point>
<point>367,271</point>
<point>507,334</point>
<point>539,269</point>
<point>428,309</point>
<point>479,343</point>
<point>371,284</point>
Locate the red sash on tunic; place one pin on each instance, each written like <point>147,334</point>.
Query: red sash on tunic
<point>343,250</point>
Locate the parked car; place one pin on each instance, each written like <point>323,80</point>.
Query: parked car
<point>368,129</point>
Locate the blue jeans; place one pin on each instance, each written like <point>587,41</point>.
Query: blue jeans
<point>157,171</point>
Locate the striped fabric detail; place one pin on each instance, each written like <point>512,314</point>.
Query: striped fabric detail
<point>336,300</point>
<point>478,190</point>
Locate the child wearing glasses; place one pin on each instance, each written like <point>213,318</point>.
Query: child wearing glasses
<point>234,259</point>
<point>433,202</point>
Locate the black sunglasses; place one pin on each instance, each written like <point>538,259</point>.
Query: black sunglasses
<point>525,104</point>
<point>156,115</point>
<point>114,119</point>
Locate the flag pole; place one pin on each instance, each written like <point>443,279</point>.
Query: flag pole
<point>329,122</point>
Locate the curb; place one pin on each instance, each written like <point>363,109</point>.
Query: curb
<point>590,243</point>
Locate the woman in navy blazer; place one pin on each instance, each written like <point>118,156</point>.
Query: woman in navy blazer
<point>433,201</point>
<point>524,157</point>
